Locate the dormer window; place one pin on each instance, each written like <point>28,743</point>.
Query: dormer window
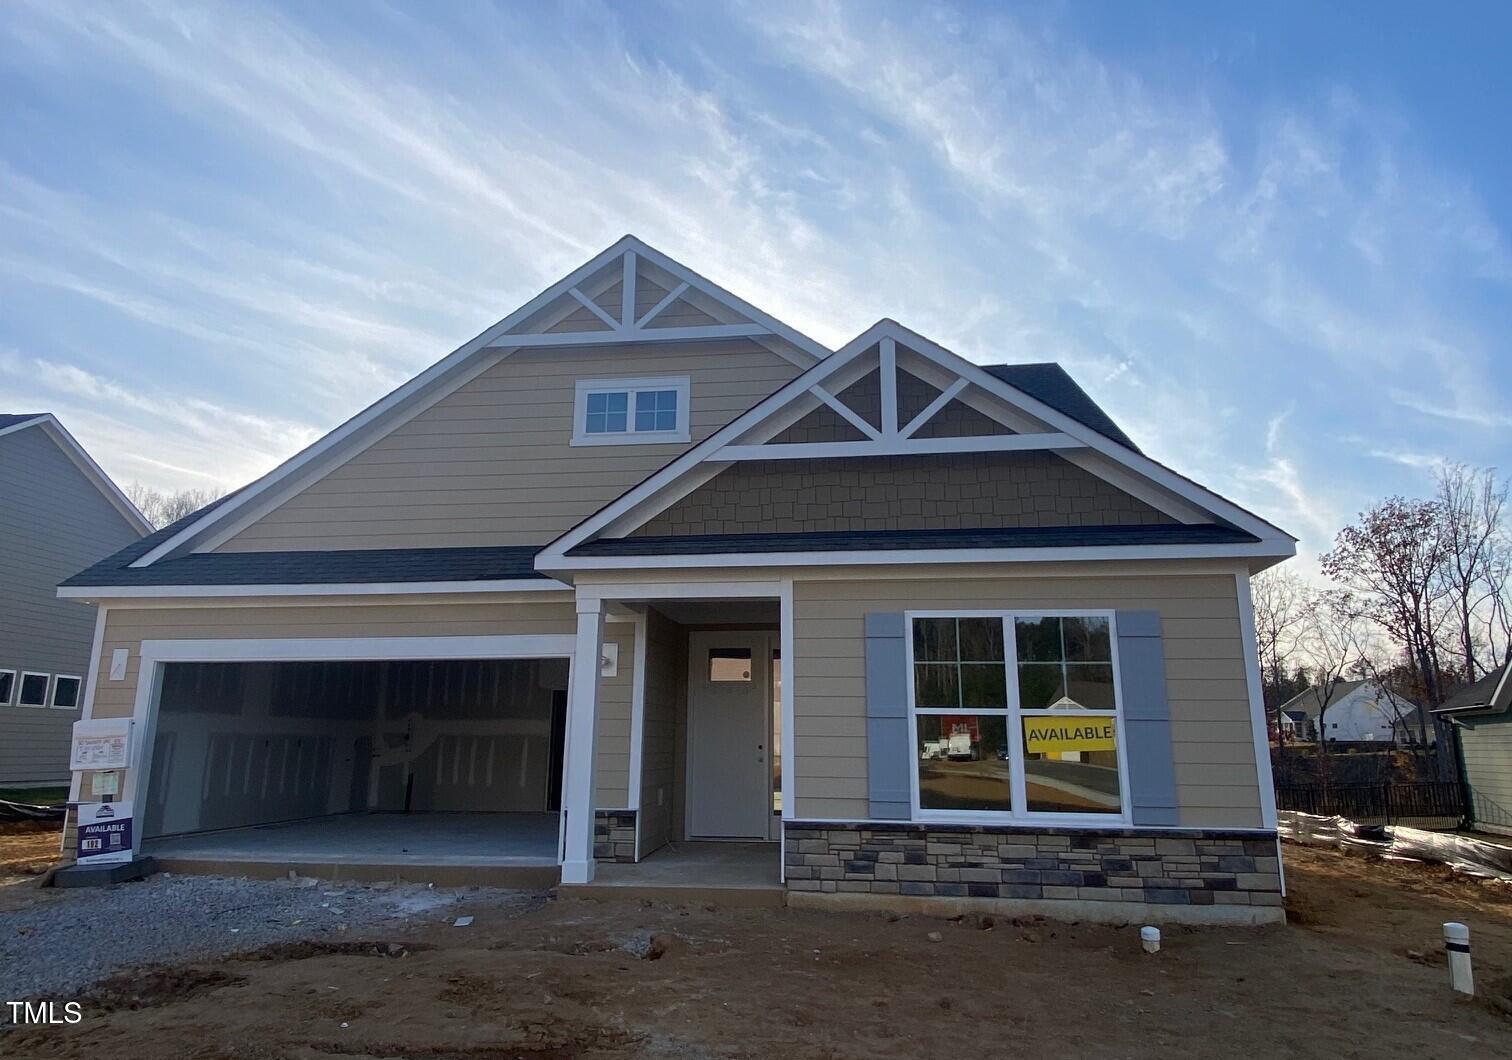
<point>631,411</point>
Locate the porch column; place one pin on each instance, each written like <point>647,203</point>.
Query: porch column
<point>582,743</point>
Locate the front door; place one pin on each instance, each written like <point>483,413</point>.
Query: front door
<point>729,700</point>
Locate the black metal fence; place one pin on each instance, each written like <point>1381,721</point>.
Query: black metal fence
<point>1364,801</point>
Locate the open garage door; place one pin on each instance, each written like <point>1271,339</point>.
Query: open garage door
<point>255,743</point>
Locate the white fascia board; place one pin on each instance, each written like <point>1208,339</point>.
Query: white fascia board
<point>900,446</point>
<point>437,374</point>
<point>698,333</point>
<point>909,557</point>
<point>152,592</point>
<point>86,463</point>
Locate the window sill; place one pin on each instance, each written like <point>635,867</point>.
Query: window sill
<point>1020,821</point>
<point>644,438</point>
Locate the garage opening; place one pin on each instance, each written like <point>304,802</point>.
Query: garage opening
<point>438,758</point>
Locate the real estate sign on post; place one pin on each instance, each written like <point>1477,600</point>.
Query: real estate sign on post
<point>104,831</point>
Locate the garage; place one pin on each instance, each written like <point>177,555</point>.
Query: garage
<point>381,760</point>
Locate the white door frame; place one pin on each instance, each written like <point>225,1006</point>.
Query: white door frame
<point>156,653</point>
<point>769,642</point>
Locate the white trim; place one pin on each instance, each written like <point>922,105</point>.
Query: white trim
<point>52,696</point>
<point>81,458</point>
<point>1251,648</point>
<point>15,688</point>
<point>593,307</point>
<point>898,446</point>
<point>789,711</point>
<point>928,412</point>
<point>580,764</point>
<point>698,333</point>
<point>627,292</point>
<point>887,351</point>
<point>682,385</point>
<point>805,351</point>
<point>645,591</point>
<point>1013,714</point>
<point>554,555</point>
<point>1142,829</point>
<point>910,557</point>
<point>134,592</point>
<point>846,412</point>
<point>656,310</point>
<point>46,688</point>
<point>637,721</point>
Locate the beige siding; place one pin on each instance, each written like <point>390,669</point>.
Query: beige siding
<point>127,628</point>
<point>666,689</point>
<point>945,492</point>
<point>1216,777</point>
<point>492,463</point>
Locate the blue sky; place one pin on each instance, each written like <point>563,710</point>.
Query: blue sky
<point>1276,250</point>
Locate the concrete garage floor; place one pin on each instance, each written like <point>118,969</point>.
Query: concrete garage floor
<point>492,849</point>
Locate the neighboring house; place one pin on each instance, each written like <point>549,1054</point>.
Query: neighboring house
<point>1359,712</point>
<point>1016,654</point>
<point>1295,725</point>
<point>60,512</point>
<point>1481,717</point>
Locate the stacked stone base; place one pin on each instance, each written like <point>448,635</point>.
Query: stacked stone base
<point>1168,869</point>
<point>614,835</point>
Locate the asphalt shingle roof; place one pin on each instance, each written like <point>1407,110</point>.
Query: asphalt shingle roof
<point>1049,382</point>
<point>1476,694</point>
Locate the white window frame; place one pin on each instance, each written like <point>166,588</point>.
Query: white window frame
<point>15,688</point>
<point>1020,815</point>
<point>46,688</point>
<point>681,384</point>
<point>52,695</point>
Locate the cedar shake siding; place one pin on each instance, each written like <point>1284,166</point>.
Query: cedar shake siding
<point>492,463</point>
<point>957,491</point>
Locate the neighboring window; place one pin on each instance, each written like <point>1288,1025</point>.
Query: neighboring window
<point>729,664</point>
<point>65,695</point>
<point>630,411</point>
<point>33,690</point>
<point>1016,714</point>
<point>7,687</point>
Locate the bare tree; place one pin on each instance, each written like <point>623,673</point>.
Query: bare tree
<point>1470,503</point>
<point>1333,636</point>
<point>161,508</point>
<point>1280,601</point>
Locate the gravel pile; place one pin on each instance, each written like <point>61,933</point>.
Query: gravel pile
<point>65,940</point>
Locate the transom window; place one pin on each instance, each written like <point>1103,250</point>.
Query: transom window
<point>34,689</point>
<point>1015,715</point>
<point>7,687</point>
<point>631,411</point>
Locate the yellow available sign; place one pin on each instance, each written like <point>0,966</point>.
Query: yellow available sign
<point>1054,734</point>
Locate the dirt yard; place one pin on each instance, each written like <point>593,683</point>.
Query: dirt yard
<point>1359,973</point>
<point>27,850</point>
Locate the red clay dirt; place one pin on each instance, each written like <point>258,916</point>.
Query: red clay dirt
<point>1359,973</point>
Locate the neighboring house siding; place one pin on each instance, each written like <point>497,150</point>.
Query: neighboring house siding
<point>1212,732</point>
<point>666,690</point>
<point>1487,748</point>
<point>492,463</point>
<point>954,491</point>
<point>127,628</point>
<point>54,523</point>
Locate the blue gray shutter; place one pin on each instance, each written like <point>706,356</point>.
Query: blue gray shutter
<point>888,755</point>
<point>1147,719</point>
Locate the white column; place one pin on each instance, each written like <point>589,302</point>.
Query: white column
<point>582,743</point>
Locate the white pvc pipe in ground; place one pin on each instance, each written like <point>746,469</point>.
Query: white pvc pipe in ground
<point>1457,945</point>
<point>1149,938</point>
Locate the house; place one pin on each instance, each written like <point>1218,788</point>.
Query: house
<point>1359,712</point>
<point>641,564</point>
<point>61,513</point>
<point>1295,725</point>
<point>1481,718</point>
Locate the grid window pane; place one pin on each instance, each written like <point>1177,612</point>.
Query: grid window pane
<point>1090,685</point>
<point>984,685</point>
<point>7,687</point>
<point>1087,639</point>
<point>980,639</point>
<point>937,685</point>
<point>1040,685</point>
<point>656,410</point>
<point>1039,639</point>
<point>1077,770</point>
<point>607,413</point>
<point>66,692</point>
<point>34,690</point>
<point>963,762</point>
<point>934,640</point>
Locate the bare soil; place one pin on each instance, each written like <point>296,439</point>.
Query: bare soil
<point>1358,973</point>
<point>27,849</point>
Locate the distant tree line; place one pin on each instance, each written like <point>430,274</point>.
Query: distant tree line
<point>1419,601</point>
<point>161,508</point>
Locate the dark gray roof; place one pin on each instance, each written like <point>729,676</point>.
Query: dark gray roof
<point>1307,700</point>
<point>861,540</point>
<point>10,419</point>
<point>1476,694</point>
<point>1048,382</point>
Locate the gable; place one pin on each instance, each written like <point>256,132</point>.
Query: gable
<point>895,435</point>
<point>493,462</point>
<point>929,492</point>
